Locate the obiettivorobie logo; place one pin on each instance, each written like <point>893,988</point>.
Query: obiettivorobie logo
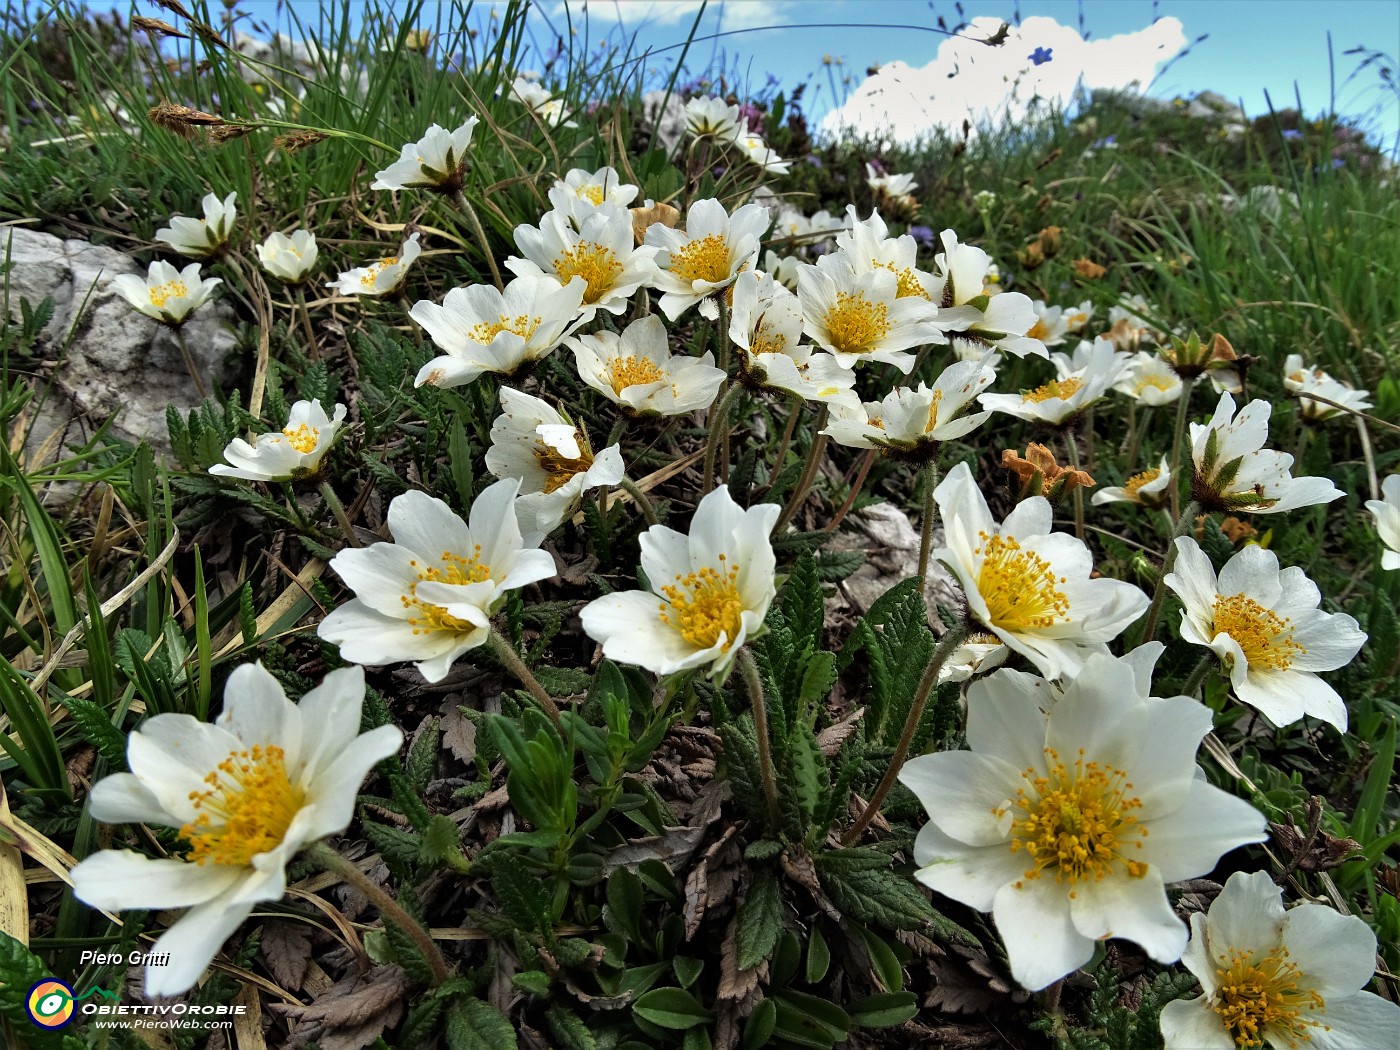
<point>52,1003</point>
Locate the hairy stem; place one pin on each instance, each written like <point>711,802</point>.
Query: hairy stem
<point>859,483</point>
<point>795,409</point>
<point>1183,409</point>
<point>930,473</point>
<point>314,346</point>
<point>1072,451</point>
<point>337,508</point>
<point>809,472</point>
<point>946,647</point>
<point>1183,524</point>
<point>749,669</point>
<point>641,499</point>
<point>718,414</point>
<point>1198,676</point>
<point>465,207</point>
<point>505,652</point>
<point>189,362</point>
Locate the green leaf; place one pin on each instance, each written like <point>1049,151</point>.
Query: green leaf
<point>20,970</point>
<point>476,1025</point>
<point>758,1029</point>
<point>801,601</point>
<point>570,1033</point>
<point>400,849</point>
<point>818,956</point>
<point>441,839</point>
<point>863,885</point>
<point>97,730</point>
<point>672,1008</point>
<point>760,921</point>
<point>884,1011</point>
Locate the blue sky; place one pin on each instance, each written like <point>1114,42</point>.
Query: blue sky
<point>1251,46</point>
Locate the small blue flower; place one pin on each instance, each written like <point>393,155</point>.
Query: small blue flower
<point>1292,134</point>
<point>923,235</point>
<point>1040,55</point>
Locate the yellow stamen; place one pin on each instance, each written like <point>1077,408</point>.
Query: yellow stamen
<point>455,569</point>
<point>1259,998</point>
<point>303,438</point>
<point>522,325</point>
<point>855,325</point>
<point>597,265</point>
<point>632,371</point>
<point>372,272</point>
<point>704,605</point>
<point>559,469</point>
<point>706,259</point>
<point>592,194</point>
<point>247,809</point>
<point>1077,822</point>
<point>908,281</point>
<point>933,411</point>
<point>175,289</point>
<point>1265,638</point>
<point>1061,388</point>
<point>1018,586</point>
<point>1137,481</point>
<point>767,340</point>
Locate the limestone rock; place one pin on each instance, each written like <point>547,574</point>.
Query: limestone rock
<point>104,358</point>
<point>891,545</point>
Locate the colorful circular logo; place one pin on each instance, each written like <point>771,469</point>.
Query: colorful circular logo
<point>50,1003</point>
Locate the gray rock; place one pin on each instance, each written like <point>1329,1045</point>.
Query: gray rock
<point>103,357</point>
<point>891,545</point>
<point>669,122</point>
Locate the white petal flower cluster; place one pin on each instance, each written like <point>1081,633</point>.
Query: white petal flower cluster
<point>246,793</point>
<point>293,452</point>
<point>206,237</point>
<point>1282,978</point>
<point>599,248</point>
<point>1264,624</point>
<point>1068,826</point>
<point>637,370</point>
<point>580,191</point>
<point>1149,488</point>
<point>860,318</point>
<point>1301,380</point>
<point>1082,381</point>
<point>382,277</point>
<point>707,256</point>
<point>1150,380</point>
<point>166,294</point>
<point>1387,515</point>
<point>435,162</point>
<point>541,103</point>
<point>429,595</point>
<point>892,185</point>
<point>974,317</point>
<point>289,258</point>
<point>766,324</point>
<point>912,422</point>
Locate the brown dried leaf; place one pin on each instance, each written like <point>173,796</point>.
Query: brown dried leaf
<point>673,848</point>
<point>830,739</point>
<point>458,731</point>
<point>352,1013</point>
<point>735,983</point>
<point>286,949</point>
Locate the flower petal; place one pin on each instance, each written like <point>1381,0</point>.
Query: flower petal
<point>191,945</point>
<point>1042,945</point>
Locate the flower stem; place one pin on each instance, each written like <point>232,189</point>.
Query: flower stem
<point>856,486</point>
<point>464,206</point>
<point>723,357</point>
<point>718,414</point>
<point>749,669</point>
<point>1072,451</point>
<point>189,362</point>
<point>505,652</point>
<point>389,909</point>
<point>795,409</point>
<point>338,509</point>
<point>809,472</point>
<point>947,645</point>
<point>1183,408</point>
<point>641,499</point>
<point>314,351</point>
<point>1183,524</point>
<point>930,473</point>
<point>1198,675</point>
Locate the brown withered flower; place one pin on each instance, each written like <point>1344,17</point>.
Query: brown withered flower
<point>649,215</point>
<point>1235,531</point>
<point>156,27</point>
<point>181,120</point>
<point>1088,269</point>
<point>1040,475</point>
<point>229,132</point>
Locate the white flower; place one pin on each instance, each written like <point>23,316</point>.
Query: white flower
<point>784,270</point>
<point>861,317</point>
<point>766,323</point>
<point>1129,327</point>
<point>1065,399</point>
<point>1149,488</point>
<point>384,277</point>
<point>295,452</point>
<point>580,191</point>
<point>868,246</point>
<point>1234,472</point>
<point>289,259</point>
<point>540,102</point>
<point>1303,381</point>
<point>1078,316</point>
<point>1027,585</point>
<point>705,257</point>
<point>201,238</point>
<point>551,457</point>
<point>247,793</point>
<point>1052,323</point>
<point>428,596</point>
<point>638,371</point>
<point>893,185</point>
<point>974,318</point>
<point>707,117</point>
<point>759,152</point>
<point>710,591</point>
<point>1387,514</point>
<point>481,329</point>
<point>984,200</point>
<point>436,161</point>
<point>1265,625</point>
<point>1067,826</point>
<point>978,654</point>
<point>600,249</point>
<point>915,421</point>
<point>1283,978</point>
<point>1150,380</point>
<point>166,294</point>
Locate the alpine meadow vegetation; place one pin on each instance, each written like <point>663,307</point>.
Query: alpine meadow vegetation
<point>649,575</point>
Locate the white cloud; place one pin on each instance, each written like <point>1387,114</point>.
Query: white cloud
<point>970,81</point>
<point>638,14</point>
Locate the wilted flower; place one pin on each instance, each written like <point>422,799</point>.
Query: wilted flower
<point>1387,514</point>
<point>294,452</point>
<point>1088,269</point>
<point>1234,472</point>
<point>913,422</point>
<point>551,457</point>
<point>206,237</point>
<point>1149,488</point>
<point>436,162</point>
<point>860,317</point>
<point>1067,826</point>
<point>638,371</point>
<point>1303,381</point>
<point>482,329</point>
<point>381,278</point>
<point>1282,978</point>
<point>1029,586</point>
<point>710,591</point>
<point>600,250</point>
<point>1041,475</point>
<point>1265,626</point>
<point>166,294</point>
<point>289,259</point>
<point>652,214</point>
<point>246,793</point>
<point>707,256</point>
<point>428,596</point>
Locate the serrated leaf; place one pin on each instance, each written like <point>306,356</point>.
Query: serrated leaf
<point>476,1025</point>
<point>760,921</point>
<point>97,730</point>
<point>861,883</point>
<point>398,848</point>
